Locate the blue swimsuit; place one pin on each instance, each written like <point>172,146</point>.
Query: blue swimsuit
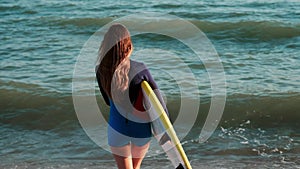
<point>121,130</point>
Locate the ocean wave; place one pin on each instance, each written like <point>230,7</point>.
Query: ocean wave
<point>271,110</point>
<point>240,31</point>
<point>168,6</point>
<point>83,22</point>
<point>38,108</point>
<point>10,7</point>
<point>32,107</point>
<point>249,30</point>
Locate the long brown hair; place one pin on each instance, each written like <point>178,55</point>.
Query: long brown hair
<point>113,59</point>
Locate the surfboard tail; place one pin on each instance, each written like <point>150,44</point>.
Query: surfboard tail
<point>180,166</point>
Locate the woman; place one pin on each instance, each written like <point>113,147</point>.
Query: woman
<point>119,80</point>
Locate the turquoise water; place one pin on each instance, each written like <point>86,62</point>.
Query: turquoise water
<point>258,43</point>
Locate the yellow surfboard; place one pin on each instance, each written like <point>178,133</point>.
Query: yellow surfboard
<point>163,130</point>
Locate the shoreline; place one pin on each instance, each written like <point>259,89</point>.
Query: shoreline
<point>157,163</point>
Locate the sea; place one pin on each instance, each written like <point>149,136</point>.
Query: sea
<point>257,43</point>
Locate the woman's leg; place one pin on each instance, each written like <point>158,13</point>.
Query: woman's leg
<point>122,156</point>
<point>138,153</point>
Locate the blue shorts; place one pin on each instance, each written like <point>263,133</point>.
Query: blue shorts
<point>122,131</point>
<point>117,139</point>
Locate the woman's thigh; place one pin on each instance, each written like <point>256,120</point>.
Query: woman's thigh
<point>138,153</point>
<point>122,156</point>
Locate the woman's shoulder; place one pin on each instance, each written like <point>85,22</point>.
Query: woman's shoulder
<point>135,63</point>
<point>138,70</point>
<point>136,66</point>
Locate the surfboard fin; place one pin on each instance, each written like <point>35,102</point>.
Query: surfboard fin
<point>180,166</point>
